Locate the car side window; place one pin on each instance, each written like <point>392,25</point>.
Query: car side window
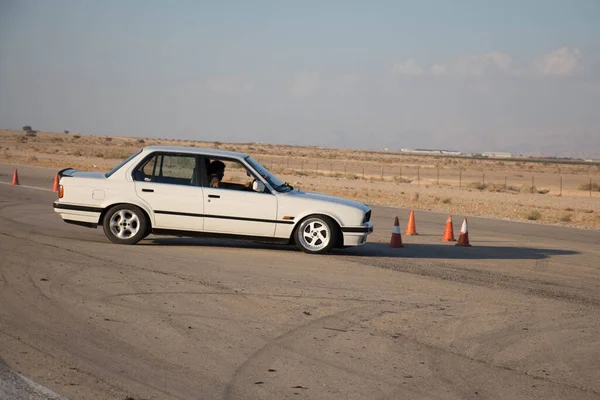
<point>165,168</point>
<point>228,174</point>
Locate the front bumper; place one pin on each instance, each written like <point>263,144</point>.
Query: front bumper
<point>357,235</point>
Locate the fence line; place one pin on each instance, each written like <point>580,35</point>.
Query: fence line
<point>443,176</point>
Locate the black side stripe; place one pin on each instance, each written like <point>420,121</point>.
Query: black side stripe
<point>223,217</point>
<point>77,208</point>
<point>182,214</point>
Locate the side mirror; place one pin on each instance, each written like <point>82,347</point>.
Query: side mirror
<point>258,186</point>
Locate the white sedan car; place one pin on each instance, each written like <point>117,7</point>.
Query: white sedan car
<point>180,191</point>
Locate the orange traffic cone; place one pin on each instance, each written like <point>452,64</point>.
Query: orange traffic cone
<point>396,241</point>
<point>15,179</point>
<point>449,231</point>
<point>56,186</point>
<point>411,229</point>
<point>463,238</point>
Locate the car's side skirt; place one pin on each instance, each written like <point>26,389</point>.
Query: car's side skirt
<point>174,232</point>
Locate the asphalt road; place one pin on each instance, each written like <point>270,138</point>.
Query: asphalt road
<point>516,316</point>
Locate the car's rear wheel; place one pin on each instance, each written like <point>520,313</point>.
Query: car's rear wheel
<point>316,234</point>
<point>125,224</point>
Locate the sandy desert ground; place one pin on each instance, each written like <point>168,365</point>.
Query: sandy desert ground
<point>523,190</point>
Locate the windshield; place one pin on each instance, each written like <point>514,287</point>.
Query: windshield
<point>268,176</point>
<point>115,169</point>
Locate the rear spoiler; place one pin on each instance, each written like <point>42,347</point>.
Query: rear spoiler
<point>67,172</point>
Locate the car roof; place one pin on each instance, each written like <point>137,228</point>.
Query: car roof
<point>196,150</point>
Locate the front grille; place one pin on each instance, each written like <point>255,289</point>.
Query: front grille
<point>367,217</point>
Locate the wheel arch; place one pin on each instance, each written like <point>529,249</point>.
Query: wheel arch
<point>337,227</point>
<point>141,207</point>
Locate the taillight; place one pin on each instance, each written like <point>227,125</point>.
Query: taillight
<point>61,192</point>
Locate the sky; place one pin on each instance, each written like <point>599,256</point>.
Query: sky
<point>517,76</point>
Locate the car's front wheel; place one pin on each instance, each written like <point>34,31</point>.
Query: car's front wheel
<point>316,234</point>
<point>125,224</point>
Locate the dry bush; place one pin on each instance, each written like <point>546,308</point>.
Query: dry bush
<point>447,200</point>
<point>477,185</point>
<point>534,216</point>
<point>594,187</point>
<point>565,218</point>
<point>415,196</point>
<point>399,179</point>
<point>528,189</point>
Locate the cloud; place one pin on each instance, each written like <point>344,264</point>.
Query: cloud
<point>409,67</point>
<point>438,69</point>
<point>561,62</point>
<point>482,64</point>
<point>472,65</point>
<point>305,85</point>
<point>230,85</point>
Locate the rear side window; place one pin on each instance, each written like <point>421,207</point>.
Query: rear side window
<point>174,169</point>
<point>115,169</point>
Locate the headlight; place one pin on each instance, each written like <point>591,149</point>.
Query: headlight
<point>367,217</point>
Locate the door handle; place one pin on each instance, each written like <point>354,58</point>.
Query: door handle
<point>148,190</point>
<point>214,196</point>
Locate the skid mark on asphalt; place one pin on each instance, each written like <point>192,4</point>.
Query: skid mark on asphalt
<point>484,278</point>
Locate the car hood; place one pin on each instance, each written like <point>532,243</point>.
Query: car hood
<point>301,194</point>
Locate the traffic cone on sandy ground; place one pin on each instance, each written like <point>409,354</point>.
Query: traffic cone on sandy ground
<point>463,238</point>
<point>411,228</point>
<point>15,179</point>
<point>449,231</point>
<point>56,186</point>
<point>396,241</point>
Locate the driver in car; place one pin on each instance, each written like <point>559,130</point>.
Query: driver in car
<point>216,172</point>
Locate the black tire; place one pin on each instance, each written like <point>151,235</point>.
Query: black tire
<point>135,228</point>
<point>316,234</point>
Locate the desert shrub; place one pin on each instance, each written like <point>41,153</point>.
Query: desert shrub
<point>447,200</point>
<point>31,134</point>
<point>594,187</point>
<point>141,141</point>
<point>528,189</point>
<point>415,196</point>
<point>478,185</point>
<point>565,218</point>
<point>534,216</point>
<point>76,136</point>
<point>399,179</point>
<point>108,139</point>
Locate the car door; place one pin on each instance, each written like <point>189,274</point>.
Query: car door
<point>169,184</point>
<point>239,212</point>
